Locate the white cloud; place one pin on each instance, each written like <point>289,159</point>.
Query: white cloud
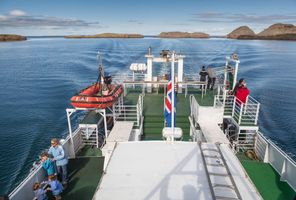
<point>17,13</point>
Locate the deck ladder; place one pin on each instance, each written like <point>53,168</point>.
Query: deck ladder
<point>220,180</point>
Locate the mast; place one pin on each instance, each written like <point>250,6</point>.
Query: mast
<point>100,79</point>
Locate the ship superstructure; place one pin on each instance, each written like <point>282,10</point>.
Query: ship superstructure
<point>126,151</point>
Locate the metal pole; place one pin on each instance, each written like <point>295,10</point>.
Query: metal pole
<point>134,79</point>
<point>97,137</point>
<point>173,94</point>
<point>114,111</point>
<point>224,83</point>
<point>235,73</point>
<point>105,123</point>
<point>69,113</point>
<point>257,113</point>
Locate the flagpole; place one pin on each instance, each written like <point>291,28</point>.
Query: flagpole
<point>173,94</point>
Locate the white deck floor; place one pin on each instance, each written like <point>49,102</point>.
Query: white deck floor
<point>209,118</point>
<point>159,170</point>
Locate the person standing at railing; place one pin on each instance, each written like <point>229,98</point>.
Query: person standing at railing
<point>47,164</point>
<point>240,91</point>
<point>211,78</point>
<point>203,76</point>
<point>60,159</point>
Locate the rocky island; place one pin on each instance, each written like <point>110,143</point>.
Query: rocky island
<point>107,35</point>
<point>279,32</point>
<point>11,37</point>
<point>274,32</point>
<point>182,35</point>
<point>242,32</point>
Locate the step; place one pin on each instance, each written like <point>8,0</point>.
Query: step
<point>153,119</point>
<point>153,131</point>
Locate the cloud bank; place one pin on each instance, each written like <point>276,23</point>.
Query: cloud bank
<point>19,18</point>
<point>217,17</point>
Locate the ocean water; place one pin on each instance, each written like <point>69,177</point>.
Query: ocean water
<point>38,77</point>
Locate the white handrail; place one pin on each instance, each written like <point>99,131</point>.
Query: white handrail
<point>246,113</point>
<point>280,161</point>
<point>194,108</point>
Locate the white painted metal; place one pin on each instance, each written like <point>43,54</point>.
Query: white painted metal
<point>69,113</point>
<point>169,134</point>
<point>138,67</point>
<point>242,181</point>
<point>194,108</point>
<point>132,113</point>
<point>24,189</point>
<point>121,132</point>
<point>209,119</point>
<point>216,167</point>
<point>235,72</point>
<point>154,170</point>
<point>149,71</point>
<point>180,71</point>
<point>161,170</point>
<point>279,160</point>
<point>236,62</point>
<point>173,96</point>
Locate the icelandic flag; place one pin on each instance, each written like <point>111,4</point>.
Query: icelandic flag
<point>168,105</point>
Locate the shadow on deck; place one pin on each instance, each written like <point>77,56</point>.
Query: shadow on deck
<point>85,172</point>
<point>267,180</point>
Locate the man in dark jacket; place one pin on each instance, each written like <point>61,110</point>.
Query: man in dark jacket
<point>203,75</point>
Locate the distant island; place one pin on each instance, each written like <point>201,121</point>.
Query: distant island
<point>274,32</point>
<point>107,35</point>
<point>11,37</point>
<point>182,35</point>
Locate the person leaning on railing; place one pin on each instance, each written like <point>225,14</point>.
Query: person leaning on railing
<point>240,91</point>
<point>211,78</point>
<point>60,159</point>
<point>203,76</point>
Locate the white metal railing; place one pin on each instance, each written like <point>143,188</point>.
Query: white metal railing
<point>195,133</point>
<point>218,100</point>
<point>270,153</point>
<point>243,113</point>
<point>120,77</point>
<point>194,109</point>
<point>132,113</point>
<point>192,77</point>
<point>37,174</point>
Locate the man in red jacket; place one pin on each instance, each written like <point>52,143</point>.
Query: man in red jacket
<point>242,91</point>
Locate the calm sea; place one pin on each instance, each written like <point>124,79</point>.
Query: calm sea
<point>38,77</point>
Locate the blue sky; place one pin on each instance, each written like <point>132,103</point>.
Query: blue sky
<point>216,17</point>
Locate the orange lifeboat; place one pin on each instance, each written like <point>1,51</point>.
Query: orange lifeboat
<point>94,97</point>
<point>101,94</point>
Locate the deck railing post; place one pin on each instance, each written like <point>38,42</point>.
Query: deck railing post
<point>240,113</point>
<point>124,89</point>
<point>246,105</point>
<point>233,107</point>
<point>114,112</point>
<point>138,111</point>
<point>97,137</point>
<point>284,170</point>
<point>105,124</point>
<point>266,154</point>
<point>134,80</point>
<point>69,113</point>
<point>257,113</point>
